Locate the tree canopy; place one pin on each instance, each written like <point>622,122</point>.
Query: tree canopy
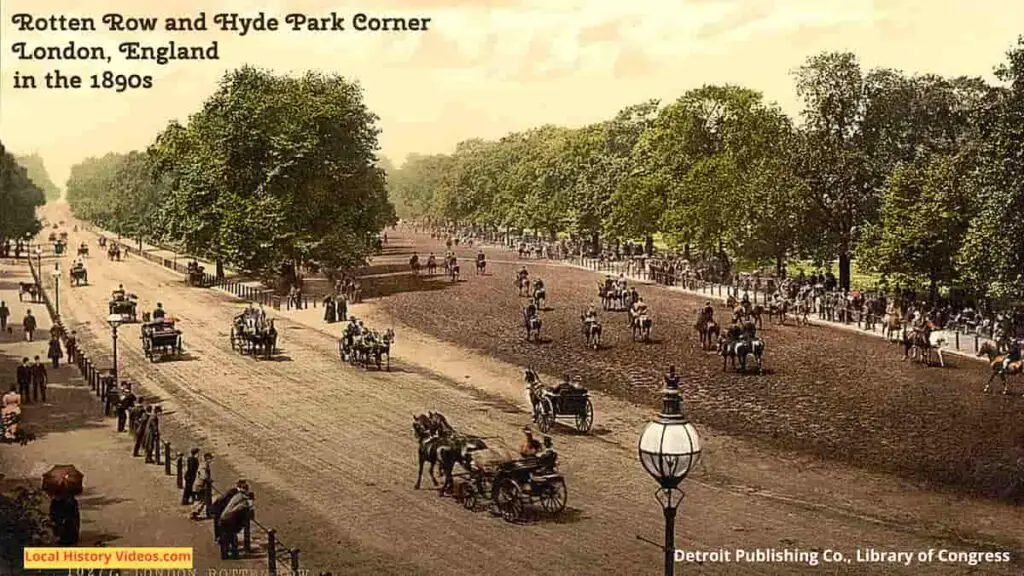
<point>37,173</point>
<point>19,197</point>
<point>271,169</point>
<point>920,176</point>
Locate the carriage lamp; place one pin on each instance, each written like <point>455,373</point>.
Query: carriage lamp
<point>115,320</point>
<point>56,290</point>
<point>669,449</point>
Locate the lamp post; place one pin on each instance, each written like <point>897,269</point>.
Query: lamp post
<point>39,258</point>
<point>56,289</point>
<point>669,449</point>
<point>115,320</point>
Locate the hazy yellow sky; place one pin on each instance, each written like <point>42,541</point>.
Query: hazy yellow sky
<point>487,67</point>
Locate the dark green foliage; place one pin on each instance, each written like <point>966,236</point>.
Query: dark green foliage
<point>19,197</point>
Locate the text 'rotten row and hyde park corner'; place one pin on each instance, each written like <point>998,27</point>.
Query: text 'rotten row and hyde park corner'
<point>225,22</point>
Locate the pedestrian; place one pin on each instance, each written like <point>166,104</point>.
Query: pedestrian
<point>38,380</point>
<point>10,413</point>
<point>54,353</point>
<point>71,345</point>
<point>235,516</point>
<point>25,380</point>
<point>140,430</point>
<point>5,313</point>
<point>191,472</point>
<point>221,503</point>
<point>202,489</point>
<point>111,394</point>
<point>66,519</point>
<point>151,440</point>
<point>125,404</point>
<point>29,324</point>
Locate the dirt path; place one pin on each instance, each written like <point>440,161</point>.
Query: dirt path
<point>340,439</point>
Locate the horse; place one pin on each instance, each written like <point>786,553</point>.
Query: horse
<point>756,347</point>
<point>414,263</point>
<point>430,430</point>
<point>540,295</point>
<point>431,266</point>
<point>523,284</point>
<point>803,310</point>
<point>378,349</point>
<point>709,331</point>
<point>921,341</point>
<point>995,361</point>
<point>533,325</point>
<point>608,295</point>
<point>778,310</point>
<point>732,348</point>
<point>591,332</point>
<point>452,269</point>
<point>892,324</point>
<point>481,265</point>
<point>114,252</point>
<point>756,313</point>
<point>642,326</point>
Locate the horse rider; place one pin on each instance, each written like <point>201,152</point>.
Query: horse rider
<point>530,312</point>
<point>480,256</point>
<point>639,308</point>
<point>538,286</point>
<point>1013,354</point>
<point>590,317</point>
<point>609,283</point>
<point>158,312</point>
<point>707,313</point>
<point>524,274</point>
<point>745,302</point>
<point>351,331</point>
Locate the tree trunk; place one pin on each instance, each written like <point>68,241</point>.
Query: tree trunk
<point>780,267</point>
<point>220,268</point>
<point>595,243</point>
<point>648,245</point>
<point>844,269</point>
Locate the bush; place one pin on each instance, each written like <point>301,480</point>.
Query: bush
<point>23,523</point>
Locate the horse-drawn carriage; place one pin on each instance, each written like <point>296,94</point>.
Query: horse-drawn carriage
<point>83,249</point>
<point>102,241</point>
<point>253,334</point>
<point>79,275</point>
<point>114,251</point>
<point>30,288</point>
<point>567,401</point>
<point>367,349</point>
<point>59,248</point>
<point>125,305</point>
<point>513,486</point>
<point>161,338</point>
<point>196,274</point>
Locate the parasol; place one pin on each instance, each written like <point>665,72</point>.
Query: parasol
<point>63,480</point>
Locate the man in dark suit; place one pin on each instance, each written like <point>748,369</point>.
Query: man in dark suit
<point>140,430</point>
<point>25,380</point>
<point>151,437</point>
<point>38,380</point>
<point>191,472</point>
<point>125,403</point>
<point>220,503</point>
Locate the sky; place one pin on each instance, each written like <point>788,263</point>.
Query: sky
<point>484,67</point>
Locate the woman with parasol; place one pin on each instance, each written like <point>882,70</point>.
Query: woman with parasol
<point>10,413</point>
<point>63,483</point>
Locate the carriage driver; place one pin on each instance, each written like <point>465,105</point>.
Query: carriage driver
<point>707,314</point>
<point>119,293</point>
<point>351,330</point>
<point>548,457</point>
<point>530,447</point>
<point>158,313</point>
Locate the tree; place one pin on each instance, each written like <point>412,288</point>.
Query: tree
<point>37,173</point>
<point>276,169</point>
<point>22,524</point>
<point>19,197</point>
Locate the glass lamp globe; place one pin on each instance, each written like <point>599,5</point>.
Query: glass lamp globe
<point>669,449</point>
<point>114,320</point>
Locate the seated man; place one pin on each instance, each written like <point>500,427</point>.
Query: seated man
<point>564,385</point>
<point>548,457</point>
<point>1012,355</point>
<point>158,312</point>
<point>119,293</point>
<point>530,447</point>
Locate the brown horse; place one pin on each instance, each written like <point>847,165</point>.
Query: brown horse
<point>432,430</point>
<point>995,361</point>
<point>709,331</point>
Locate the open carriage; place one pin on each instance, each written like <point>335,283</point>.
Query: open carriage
<point>114,251</point>
<point>512,487</point>
<point>59,248</point>
<point>161,338</point>
<point>125,305</point>
<point>79,276</point>
<point>367,350</point>
<point>196,274</point>
<point>254,335</point>
<point>102,241</point>
<point>570,401</point>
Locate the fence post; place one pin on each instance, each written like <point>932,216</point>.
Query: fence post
<point>272,552</point>
<point>956,335</point>
<point>247,535</point>
<point>975,341</point>
<point>295,561</point>
<point>167,458</point>
<point>178,465</point>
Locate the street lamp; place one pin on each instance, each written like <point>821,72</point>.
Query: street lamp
<point>56,289</point>
<point>115,320</point>
<point>669,449</point>
<point>39,258</point>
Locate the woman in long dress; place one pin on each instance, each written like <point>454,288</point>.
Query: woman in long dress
<point>11,413</point>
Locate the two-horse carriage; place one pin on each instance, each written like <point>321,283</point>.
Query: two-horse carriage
<point>102,241</point>
<point>252,334</point>
<point>30,288</point>
<point>79,275</point>
<point>196,274</point>
<point>368,349</point>
<point>512,487</point>
<point>161,338</point>
<point>124,305</point>
<point>114,251</point>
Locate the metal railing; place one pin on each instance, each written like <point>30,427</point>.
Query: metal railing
<point>102,382</point>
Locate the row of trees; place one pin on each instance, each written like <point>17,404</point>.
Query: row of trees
<point>36,169</point>
<point>19,197</point>
<point>921,178</point>
<point>273,169</point>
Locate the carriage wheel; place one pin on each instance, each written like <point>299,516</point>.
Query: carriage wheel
<point>585,419</point>
<point>509,500</point>
<point>554,496</point>
<point>547,416</point>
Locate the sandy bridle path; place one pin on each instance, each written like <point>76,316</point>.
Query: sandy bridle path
<point>340,441</point>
